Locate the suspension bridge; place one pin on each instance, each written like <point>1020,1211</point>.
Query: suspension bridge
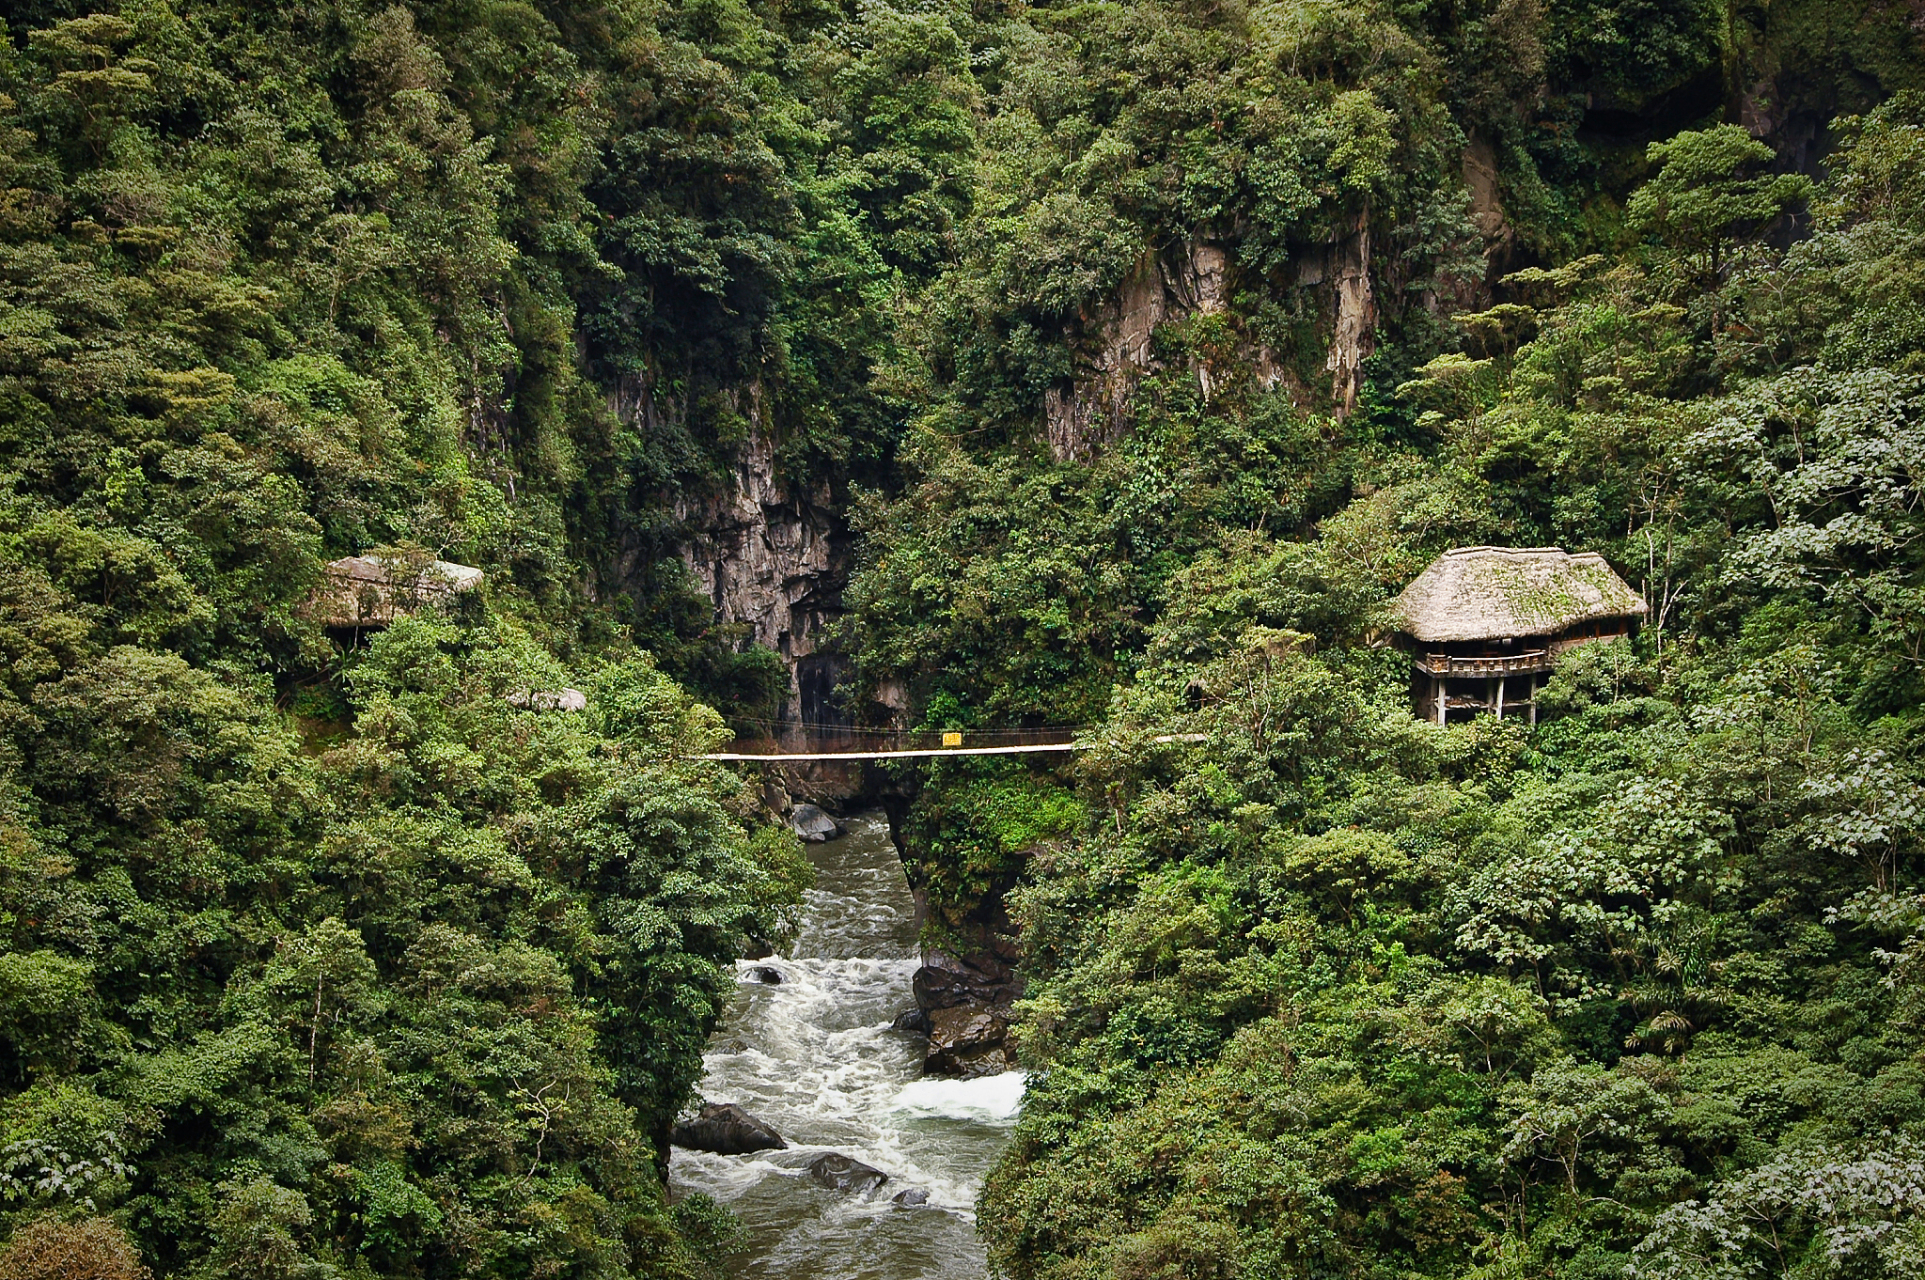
<point>818,744</point>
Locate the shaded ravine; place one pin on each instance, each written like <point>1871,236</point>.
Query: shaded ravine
<point>814,1056</point>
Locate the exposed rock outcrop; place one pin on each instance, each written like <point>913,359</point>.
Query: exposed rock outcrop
<point>1356,324</point>
<point>726,1129</point>
<point>1487,206</point>
<point>1116,346</point>
<point>548,700</point>
<point>368,593</point>
<point>771,553</point>
<point>986,976</point>
<point>1090,410</point>
<point>774,557</point>
<point>965,1001</point>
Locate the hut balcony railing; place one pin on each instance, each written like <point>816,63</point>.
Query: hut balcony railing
<point>1452,667</point>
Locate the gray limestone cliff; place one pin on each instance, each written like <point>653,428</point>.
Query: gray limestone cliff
<point>769,553</point>
<point>773,556</point>
<point>1115,348</point>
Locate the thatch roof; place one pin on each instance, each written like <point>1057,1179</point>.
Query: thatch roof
<point>372,591</point>
<point>1491,593</point>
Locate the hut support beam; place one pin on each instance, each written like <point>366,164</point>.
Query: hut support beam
<point>1500,697</point>
<point>1443,698</point>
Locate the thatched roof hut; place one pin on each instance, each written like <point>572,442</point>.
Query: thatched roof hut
<point>372,591</point>
<point>1472,594</point>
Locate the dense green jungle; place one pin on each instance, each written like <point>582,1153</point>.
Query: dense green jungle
<point>1132,355</point>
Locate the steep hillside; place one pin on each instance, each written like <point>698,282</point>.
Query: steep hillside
<point>329,956</point>
<point>961,366</point>
<point>1259,310</point>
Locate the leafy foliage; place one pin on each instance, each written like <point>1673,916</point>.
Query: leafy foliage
<point>339,958</point>
<point>1630,992</point>
<point>335,958</point>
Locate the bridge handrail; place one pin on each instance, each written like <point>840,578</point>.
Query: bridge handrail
<point>841,739</point>
<point>914,753</point>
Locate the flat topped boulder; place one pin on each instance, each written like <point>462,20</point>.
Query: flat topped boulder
<point>968,1042</point>
<point>1488,593</point>
<point>726,1129</point>
<point>548,700</point>
<point>372,591</point>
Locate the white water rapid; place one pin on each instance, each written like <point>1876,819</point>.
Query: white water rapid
<point>813,1056</point>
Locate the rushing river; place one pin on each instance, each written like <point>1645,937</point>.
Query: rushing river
<point>813,1056</point>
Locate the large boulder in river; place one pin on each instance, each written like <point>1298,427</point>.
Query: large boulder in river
<point>840,1173</point>
<point>727,1130</point>
<point>813,825</point>
<point>966,1041</point>
<point>967,997</point>
<point>983,977</point>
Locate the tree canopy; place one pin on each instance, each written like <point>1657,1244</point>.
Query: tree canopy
<point>1134,354</point>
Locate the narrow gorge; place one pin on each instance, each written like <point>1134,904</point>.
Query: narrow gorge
<point>817,1046</point>
<point>1358,567</point>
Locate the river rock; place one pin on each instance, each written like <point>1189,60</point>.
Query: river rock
<point>813,825</point>
<point>911,1196</point>
<point>911,1020</point>
<point>727,1130</point>
<point>768,975</point>
<point>966,1042</point>
<point>984,977</point>
<point>840,1173</point>
<point>942,981</point>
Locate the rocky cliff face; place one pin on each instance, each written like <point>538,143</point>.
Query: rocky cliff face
<point>769,554</point>
<point>1356,314</point>
<point>1116,350</point>
<point>1082,415</point>
<point>774,557</point>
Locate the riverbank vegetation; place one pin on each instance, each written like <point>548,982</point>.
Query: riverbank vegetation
<point>1340,991</point>
<point>1630,992</point>
<point>331,955</point>
<point>1146,349</point>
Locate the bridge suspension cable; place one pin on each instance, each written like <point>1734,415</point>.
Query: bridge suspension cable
<point>800,748</point>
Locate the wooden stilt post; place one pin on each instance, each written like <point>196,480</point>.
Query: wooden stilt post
<point>1533,699</point>
<point>1443,698</point>
<point>1500,697</point>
